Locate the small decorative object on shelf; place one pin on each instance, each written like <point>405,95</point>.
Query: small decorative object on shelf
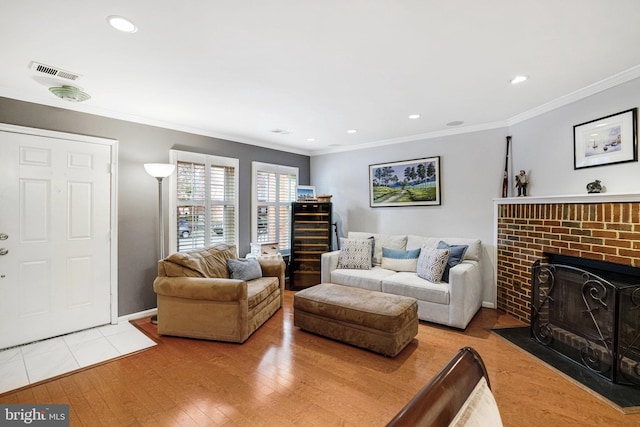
<point>522,180</point>
<point>594,187</point>
<point>306,193</point>
<point>259,249</point>
<point>324,198</point>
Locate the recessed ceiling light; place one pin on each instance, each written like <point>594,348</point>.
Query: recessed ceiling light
<point>281,131</point>
<point>518,79</point>
<point>352,131</point>
<point>122,24</point>
<point>455,123</point>
<point>311,140</point>
<point>414,116</point>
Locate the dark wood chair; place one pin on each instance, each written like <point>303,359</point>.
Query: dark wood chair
<point>460,394</point>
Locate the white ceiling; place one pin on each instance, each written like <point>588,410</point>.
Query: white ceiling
<point>241,69</point>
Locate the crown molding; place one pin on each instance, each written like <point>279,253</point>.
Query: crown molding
<point>607,83</point>
<point>87,108</point>
<point>592,89</point>
<point>413,138</point>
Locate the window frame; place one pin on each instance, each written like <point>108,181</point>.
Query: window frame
<point>208,160</point>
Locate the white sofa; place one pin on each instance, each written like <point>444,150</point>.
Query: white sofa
<point>453,304</point>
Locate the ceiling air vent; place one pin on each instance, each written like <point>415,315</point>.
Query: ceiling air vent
<point>53,71</point>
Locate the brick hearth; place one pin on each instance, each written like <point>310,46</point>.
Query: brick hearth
<point>604,230</point>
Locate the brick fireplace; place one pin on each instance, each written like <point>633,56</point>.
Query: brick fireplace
<point>598,227</point>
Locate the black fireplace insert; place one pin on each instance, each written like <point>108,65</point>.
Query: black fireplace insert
<point>589,311</point>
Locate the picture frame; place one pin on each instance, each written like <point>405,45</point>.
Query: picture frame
<point>405,183</point>
<point>606,141</point>
<point>305,192</point>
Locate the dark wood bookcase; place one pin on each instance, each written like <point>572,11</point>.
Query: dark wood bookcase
<point>310,238</point>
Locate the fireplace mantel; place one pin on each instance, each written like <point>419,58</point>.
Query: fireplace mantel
<point>571,198</point>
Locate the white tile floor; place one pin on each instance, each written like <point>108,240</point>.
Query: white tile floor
<point>30,363</point>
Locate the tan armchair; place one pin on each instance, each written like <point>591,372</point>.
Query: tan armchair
<point>197,299</point>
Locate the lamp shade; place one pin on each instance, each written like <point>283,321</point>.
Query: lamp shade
<point>159,170</point>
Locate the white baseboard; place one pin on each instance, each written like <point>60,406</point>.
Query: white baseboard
<point>138,315</point>
<point>486,304</point>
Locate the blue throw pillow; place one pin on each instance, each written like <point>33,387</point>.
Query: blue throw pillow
<point>456,255</point>
<point>244,270</point>
<point>399,260</point>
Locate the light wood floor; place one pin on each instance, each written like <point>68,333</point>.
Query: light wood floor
<point>283,376</point>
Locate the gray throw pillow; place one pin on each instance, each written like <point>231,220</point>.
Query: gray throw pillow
<point>431,264</point>
<point>244,269</point>
<point>355,253</point>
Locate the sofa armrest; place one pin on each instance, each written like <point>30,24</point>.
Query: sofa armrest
<point>465,288</point>
<point>273,267</point>
<point>328,263</point>
<point>201,288</point>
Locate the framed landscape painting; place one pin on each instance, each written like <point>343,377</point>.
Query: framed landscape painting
<point>606,141</point>
<point>405,183</point>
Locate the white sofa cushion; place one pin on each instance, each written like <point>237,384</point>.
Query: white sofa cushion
<point>410,285</point>
<point>366,279</point>
<point>472,253</point>
<point>391,241</point>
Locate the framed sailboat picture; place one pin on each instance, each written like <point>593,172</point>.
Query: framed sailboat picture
<point>606,141</point>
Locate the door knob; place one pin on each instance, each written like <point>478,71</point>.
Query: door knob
<point>4,251</point>
<point>4,236</point>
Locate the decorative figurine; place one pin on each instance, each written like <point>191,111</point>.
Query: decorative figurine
<point>521,183</point>
<point>594,187</point>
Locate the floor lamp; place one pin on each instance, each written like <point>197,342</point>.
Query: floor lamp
<point>159,171</point>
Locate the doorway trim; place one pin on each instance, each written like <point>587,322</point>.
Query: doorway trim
<point>113,215</point>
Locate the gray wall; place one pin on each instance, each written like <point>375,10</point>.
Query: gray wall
<point>471,170</point>
<point>543,146</point>
<point>138,192</point>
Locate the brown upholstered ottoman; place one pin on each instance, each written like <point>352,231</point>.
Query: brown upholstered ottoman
<point>380,322</point>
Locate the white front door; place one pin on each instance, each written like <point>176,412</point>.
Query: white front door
<point>55,229</point>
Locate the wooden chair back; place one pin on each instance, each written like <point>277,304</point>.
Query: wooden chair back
<point>438,403</point>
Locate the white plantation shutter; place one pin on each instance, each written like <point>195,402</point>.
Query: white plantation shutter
<point>266,198</point>
<point>287,194</point>
<point>205,206</point>
<point>191,185</point>
<point>223,204</point>
<point>274,188</point>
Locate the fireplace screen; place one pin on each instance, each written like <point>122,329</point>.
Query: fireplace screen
<point>593,319</point>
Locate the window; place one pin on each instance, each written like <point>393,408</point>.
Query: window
<point>274,188</point>
<point>204,200</point>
